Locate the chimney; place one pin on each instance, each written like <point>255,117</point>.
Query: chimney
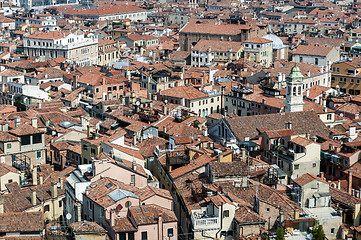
<point>296,214</point>
<point>134,166</point>
<point>350,181</point>
<point>244,154</point>
<point>54,190</point>
<point>134,140</point>
<point>282,217</point>
<point>33,197</point>
<point>39,105</point>
<point>1,205</point>
<point>35,176</point>
<point>61,181</point>
<point>339,184</point>
<point>34,122</point>
<point>17,122</point>
<point>41,179</point>
<point>160,226</point>
<point>75,82</point>
<point>307,93</point>
<point>205,132</point>
<point>112,218</point>
<point>322,175</point>
<point>5,127</point>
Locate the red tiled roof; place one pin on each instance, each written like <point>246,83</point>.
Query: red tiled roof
<point>49,35</point>
<point>21,222</point>
<point>188,93</point>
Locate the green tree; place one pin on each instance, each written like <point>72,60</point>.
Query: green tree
<point>317,231</point>
<point>280,234</point>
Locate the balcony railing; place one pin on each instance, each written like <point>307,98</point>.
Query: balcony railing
<point>205,221</point>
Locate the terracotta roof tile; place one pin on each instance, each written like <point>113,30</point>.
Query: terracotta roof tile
<point>21,222</point>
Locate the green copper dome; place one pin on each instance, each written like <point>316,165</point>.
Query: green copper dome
<point>295,73</point>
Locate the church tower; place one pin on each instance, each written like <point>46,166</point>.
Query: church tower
<point>294,97</point>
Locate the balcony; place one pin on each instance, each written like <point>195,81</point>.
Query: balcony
<point>202,222</point>
<point>282,152</point>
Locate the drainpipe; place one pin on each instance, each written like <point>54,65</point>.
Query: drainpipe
<point>221,219</point>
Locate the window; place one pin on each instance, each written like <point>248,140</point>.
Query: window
<point>60,203</point>
<point>357,81</point>
<point>37,138</point>
<point>10,181</point>
<point>297,167</point>
<point>109,89</point>
<point>351,80</point>
<point>92,150</point>
<point>122,236</point>
<point>170,232</point>
<point>226,213</point>
<point>8,146</point>
<point>46,208</point>
<point>332,230</point>
<point>329,116</point>
<point>144,235</point>
<point>114,88</point>
<point>301,59</point>
<point>85,148</point>
<point>131,236</point>
<point>132,179</point>
<point>314,165</point>
<point>267,209</point>
<point>128,204</point>
<point>97,90</point>
<point>316,61</point>
<point>25,140</point>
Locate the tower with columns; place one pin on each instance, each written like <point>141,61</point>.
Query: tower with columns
<point>294,96</point>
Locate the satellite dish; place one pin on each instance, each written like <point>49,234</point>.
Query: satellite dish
<point>58,185</point>
<point>293,177</point>
<point>137,103</point>
<point>68,216</point>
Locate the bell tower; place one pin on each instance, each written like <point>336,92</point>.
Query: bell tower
<point>294,96</point>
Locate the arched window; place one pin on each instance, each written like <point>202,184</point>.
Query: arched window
<point>299,90</point>
<point>294,91</point>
